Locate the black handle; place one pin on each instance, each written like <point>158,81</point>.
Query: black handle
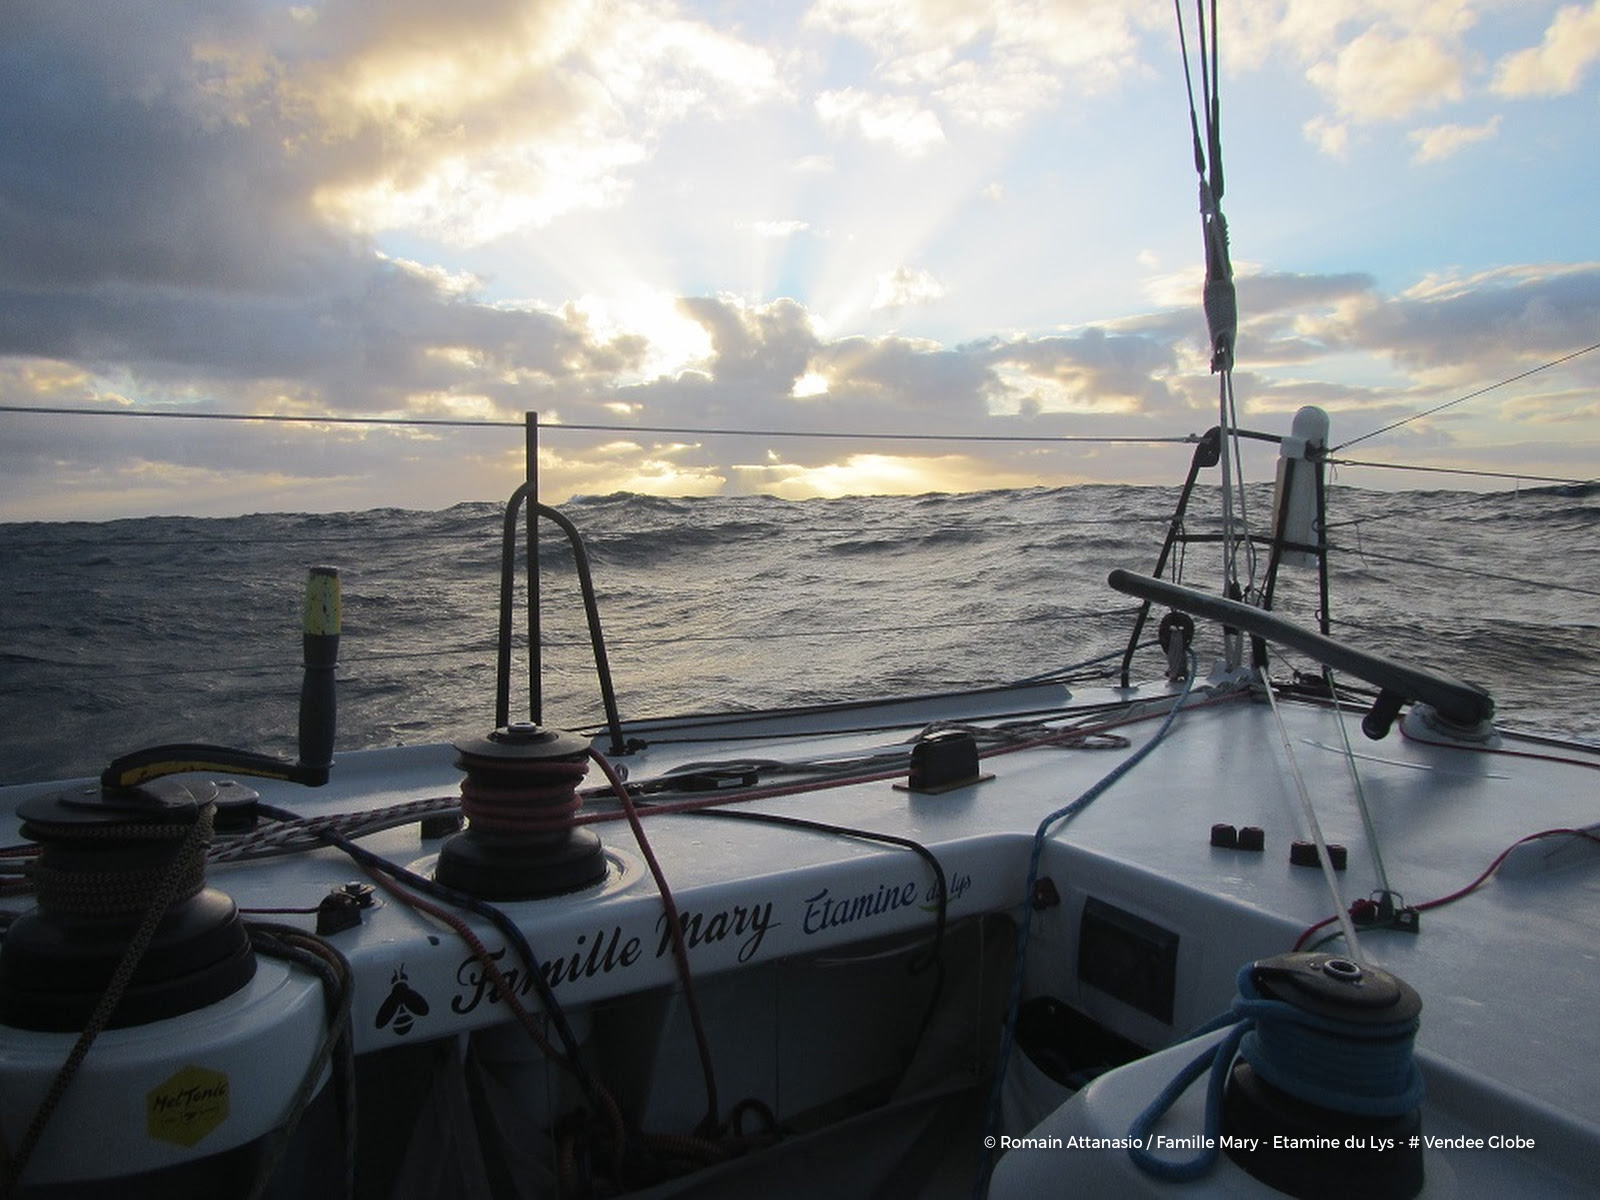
<point>1455,701</point>
<point>319,708</point>
<point>318,713</point>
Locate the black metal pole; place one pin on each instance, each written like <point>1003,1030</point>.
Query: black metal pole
<point>535,653</point>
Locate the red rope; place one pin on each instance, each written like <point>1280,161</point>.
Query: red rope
<point>1463,892</point>
<point>546,803</point>
<point>680,952</point>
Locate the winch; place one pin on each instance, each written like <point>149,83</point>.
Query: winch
<point>148,1044</point>
<point>519,796</point>
<point>1326,1072</point>
<point>118,870</point>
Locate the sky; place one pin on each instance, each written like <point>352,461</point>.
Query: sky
<point>956,220</point>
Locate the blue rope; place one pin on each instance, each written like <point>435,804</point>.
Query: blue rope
<point>1361,1069</point>
<point>1008,1036</point>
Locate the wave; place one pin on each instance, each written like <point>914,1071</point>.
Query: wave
<point>128,631</point>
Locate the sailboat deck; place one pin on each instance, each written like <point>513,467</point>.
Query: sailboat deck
<point>1506,974</point>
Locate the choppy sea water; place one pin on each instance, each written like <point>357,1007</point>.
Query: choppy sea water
<point>121,634</point>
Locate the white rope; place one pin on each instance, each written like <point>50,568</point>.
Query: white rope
<point>1345,925</point>
<point>1355,778</point>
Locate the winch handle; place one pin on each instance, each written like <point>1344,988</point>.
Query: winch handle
<point>318,701</point>
<point>323,617</point>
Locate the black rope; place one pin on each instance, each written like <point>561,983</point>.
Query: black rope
<point>14,1162</point>
<point>503,923</point>
<point>336,1050</point>
<point>935,956</point>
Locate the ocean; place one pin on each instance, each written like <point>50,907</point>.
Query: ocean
<point>121,634</point>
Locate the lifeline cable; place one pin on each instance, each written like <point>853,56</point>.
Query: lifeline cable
<point>1465,472</point>
<point>560,427</point>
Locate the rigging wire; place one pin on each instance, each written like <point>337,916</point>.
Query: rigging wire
<point>1555,362</point>
<point>1315,827</point>
<point>1465,471</point>
<point>1220,301</point>
<point>582,427</point>
<point>1355,778</point>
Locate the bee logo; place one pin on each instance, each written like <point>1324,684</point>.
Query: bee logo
<point>402,1005</point>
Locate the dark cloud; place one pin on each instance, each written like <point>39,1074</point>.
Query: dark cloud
<point>1101,370</point>
<point>159,217</point>
<point>766,348</point>
<point>179,184</point>
<point>1490,320</point>
<point>120,165</point>
<point>1274,293</point>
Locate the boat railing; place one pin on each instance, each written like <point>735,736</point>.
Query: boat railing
<point>1462,704</point>
<point>1208,453</point>
<point>525,498</point>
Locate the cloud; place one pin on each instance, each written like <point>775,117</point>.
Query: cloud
<point>897,121</point>
<point>466,121</point>
<point>1383,76</point>
<point>1457,326</point>
<point>1391,61</point>
<point>779,229</point>
<point>124,162</point>
<point>221,207</point>
<point>162,224</point>
<point>1442,141</point>
<point>510,115</point>
<point>993,65</point>
<point>764,345</point>
<point>1089,372</point>
<point>1334,340</point>
<point>906,286</point>
<point>1557,65</point>
<point>1331,137</point>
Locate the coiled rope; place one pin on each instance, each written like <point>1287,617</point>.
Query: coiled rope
<point>1360,1068</point>
<point>542,799</point>
<point>159,895</point>
<point>74,877</point>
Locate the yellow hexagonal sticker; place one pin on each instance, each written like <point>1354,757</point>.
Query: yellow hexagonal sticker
<point>187,1107</point>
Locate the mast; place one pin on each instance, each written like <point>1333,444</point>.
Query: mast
<point>1220,303</point>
